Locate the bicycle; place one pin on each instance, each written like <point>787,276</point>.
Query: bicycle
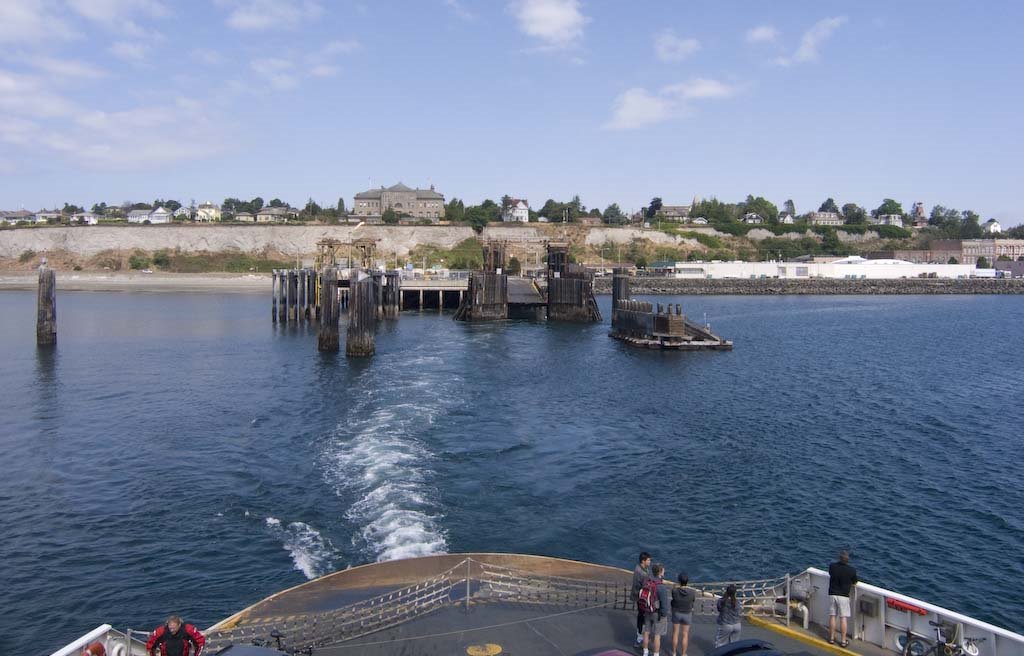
<point>915,645</point>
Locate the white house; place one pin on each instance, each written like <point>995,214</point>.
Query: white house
<point>245,217</point>
<point>699,220</point>
<point>274,214</point>
<point>752,218</point>
<point>208,212</point>
<point>183,213</point>
<point>138,216</point>
<point>786,218</point>
<point>991,227</point>
<point>17,216</point>
<point>518,211</point>
<point>44,216</point>
<point>887,219</point>
<point>826,219</point>
<point>160,215</point>
<point>85,218</point>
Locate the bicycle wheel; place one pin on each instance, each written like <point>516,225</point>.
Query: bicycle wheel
<point>917,646</point>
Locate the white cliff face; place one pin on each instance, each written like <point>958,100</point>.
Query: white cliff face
<point>88,241</point>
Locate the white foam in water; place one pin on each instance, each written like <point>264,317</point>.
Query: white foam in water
<point>312,553</point>
<point>380,459</point>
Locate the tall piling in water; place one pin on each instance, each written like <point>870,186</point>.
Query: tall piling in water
<point>302,295</point>
<point>362,317</point>
<point>392,292</point>
<point>282,296</point>
<point>273,295</point>
<point>328,336</point>
<point>377,297</point>
<point>46,319</point>
<point>293,288</point>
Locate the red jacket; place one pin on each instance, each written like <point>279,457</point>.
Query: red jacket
<point>187,634</point>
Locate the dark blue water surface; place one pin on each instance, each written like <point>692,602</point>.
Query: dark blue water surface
<point>181,453</point>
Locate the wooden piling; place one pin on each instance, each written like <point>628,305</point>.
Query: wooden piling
<point>293,288</point>
<point>282,306</point>
<point>302,295</point>
<point>392,291</point>
<point>362,317</point>
<point>273,295</point>
<point>328,336</point>
<point>46,319</point>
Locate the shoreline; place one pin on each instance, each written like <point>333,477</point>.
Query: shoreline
<point>80,281</point>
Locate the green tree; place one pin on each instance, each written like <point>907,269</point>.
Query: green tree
<point>514,266</point>
<point>970,227</point>
<point>256,204</point>
<point>854,214</point>
<point>455,211</point>
<point>506,202</point>
<point>277,202</point>
<point>70,209</point>
<point>983,263</point>
<point>789,207</point>
<point>613,214</point>
<point>952,260</point>
<point>888,206</point>
<point>829,206</point>
<point>99,208</point>
<point>341,206</point>
<point>653,208</point>
<point>762,207</point>
<point>312,209</point>
<point>715,211</point>
<point>389,216</point>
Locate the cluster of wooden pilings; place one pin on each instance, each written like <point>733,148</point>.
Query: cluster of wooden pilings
<point>307,295</point>
<point>656,326</point>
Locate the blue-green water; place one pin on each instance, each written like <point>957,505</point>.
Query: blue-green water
<point>181,453</point>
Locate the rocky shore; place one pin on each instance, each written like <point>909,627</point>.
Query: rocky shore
<point>779,286</point>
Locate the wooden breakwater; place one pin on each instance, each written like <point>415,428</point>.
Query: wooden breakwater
<point>570,288</point>
<point>641,323</point>
<point>815,286</point>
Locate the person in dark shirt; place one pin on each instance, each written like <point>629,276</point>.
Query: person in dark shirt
<point>682,613</point>
<point>641,573</point>
<point>841,579</point>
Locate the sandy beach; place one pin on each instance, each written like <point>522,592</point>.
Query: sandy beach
<point>79,281</point>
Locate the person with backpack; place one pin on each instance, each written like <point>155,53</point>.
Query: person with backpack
<point>176,638</point>
<point>730,610</point>
<point>682,613</point>
<point>655,600</point>
<point>641,573</point>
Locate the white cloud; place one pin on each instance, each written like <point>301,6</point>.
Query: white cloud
<point>119,15</point>
<point>66,68</point>
<point>671,48</point>
<point>278,73</point>
<point>557,23</point>
<point>256,15</point>
<point>456,7</point>
<point>812,41</point>
<point>339,47</point>
<point>30,21</point>
<point>28,95</point>
<point>638,108</point>
<point>762,34</point>
<point>133,52</point>
<point>324,70</point>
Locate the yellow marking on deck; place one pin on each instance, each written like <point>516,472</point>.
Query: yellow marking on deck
<point>812,640</point>
<point>489,649</point>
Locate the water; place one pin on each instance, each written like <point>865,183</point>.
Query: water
<point>181,453</point>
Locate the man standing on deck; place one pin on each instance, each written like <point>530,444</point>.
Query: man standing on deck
<point>175,639</point>
<point>640,574</point>
<point>841,579</point>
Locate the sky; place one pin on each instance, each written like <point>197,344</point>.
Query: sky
<point>613,100</point>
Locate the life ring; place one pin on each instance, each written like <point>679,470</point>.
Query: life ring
<point>119,649</point>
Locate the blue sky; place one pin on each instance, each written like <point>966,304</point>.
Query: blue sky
<point>111,100</point>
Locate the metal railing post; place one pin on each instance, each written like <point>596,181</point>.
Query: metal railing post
<point>788,582</point>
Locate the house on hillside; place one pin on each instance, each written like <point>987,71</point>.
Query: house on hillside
<point>44,216</point>
<point>674,212</point>
<point>417,203</point>
<point>826,219</point>
<point>85,218</point>
<point>753,218</point>
<point>991,227</point>
<point>245,217</point>
<point>208,212</point>
<point>17,216</point>
<point>275,215</point>
<point>887,219</point>
<point>698,220</point>
<point>161,215</point>
<point>518,211</point>
<point>786,219</point>
<point>138,216</point>
<point>183,213</point>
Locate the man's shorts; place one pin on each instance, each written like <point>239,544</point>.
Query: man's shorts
<point>654,625</point>
<point>682,618</point>
<point>838,606</point>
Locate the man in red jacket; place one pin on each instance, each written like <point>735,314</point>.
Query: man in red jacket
<point>176,638</point>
